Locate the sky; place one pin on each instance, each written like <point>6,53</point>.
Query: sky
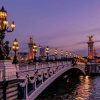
<point>62,24</point>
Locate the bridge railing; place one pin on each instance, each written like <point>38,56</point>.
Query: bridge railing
<point>39,65</point>
<point>28,69</point>
<point>37,75</point>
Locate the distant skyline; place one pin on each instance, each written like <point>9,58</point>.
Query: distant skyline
<point>65,24</point>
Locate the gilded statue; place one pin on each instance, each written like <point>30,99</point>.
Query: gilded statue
<point>90,37</point>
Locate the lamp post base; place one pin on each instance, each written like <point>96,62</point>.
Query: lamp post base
<point>8,70</point>
<point>7,77</point>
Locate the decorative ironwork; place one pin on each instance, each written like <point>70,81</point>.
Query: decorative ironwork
<point>4,27</point>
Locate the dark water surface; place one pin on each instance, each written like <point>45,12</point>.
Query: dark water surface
<point>84,88</point>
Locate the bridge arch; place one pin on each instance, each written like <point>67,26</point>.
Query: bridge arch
<point>75,71</point>
<point>69,69</point>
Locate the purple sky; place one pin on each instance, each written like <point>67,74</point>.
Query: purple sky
<point>65,24</point>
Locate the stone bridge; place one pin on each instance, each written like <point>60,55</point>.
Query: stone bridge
<point>41,75</point>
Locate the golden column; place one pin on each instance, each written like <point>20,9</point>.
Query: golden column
<point>30,44</point>
<point>90,47</point>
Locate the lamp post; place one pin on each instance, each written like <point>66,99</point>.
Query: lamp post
<point>62,52</point>
<point>47,50</point>
<point>4,27</point>
<point>70,54</point>
<point>56,52</point>
<point>15,48</point>
<point>66,55</point>
<point>35,48</point>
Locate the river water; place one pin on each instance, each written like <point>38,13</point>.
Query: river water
<point>85,88</point>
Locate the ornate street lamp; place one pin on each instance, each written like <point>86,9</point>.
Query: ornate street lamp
<point>66,55</point>
<point>35,48</point>
<point>47,50</point>
<point>15,48</point>
<point>62,53</point>
<point>4,27</point>
<point>56,52</point>
<point>70,54</point>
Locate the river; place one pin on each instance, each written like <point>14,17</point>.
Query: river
<point>85,88</point>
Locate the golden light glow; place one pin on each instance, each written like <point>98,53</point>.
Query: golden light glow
<point>83,90</point>
<point>81,77</point>
<point>15,42</point>
<point>35,48</point>
<point>87,77</point>
<point>56,51</point>
<point>5,22</point>
<point>66,53</point>
<point>62,52</point>
<point>13,25</point>
<point>47,50</point>
<point>15,46</point>
<point>3,13</point>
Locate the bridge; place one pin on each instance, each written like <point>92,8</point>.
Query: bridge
<point>92,68</point>
<point>32,80</point>
<point>39,76</point>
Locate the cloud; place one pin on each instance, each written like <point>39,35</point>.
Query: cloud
<point>82,52</point>
<point>91,31</point>
<point>97,41</point>
<point>84,42</point>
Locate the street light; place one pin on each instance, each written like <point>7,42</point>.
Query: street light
<point>62,53</point>
<point>66,55</point>
<point>35,48</point>
<point>56,52</point>
<point>70,54</point>
<point>15,48</point>
<point>47,50</point>
<point>4,27</point>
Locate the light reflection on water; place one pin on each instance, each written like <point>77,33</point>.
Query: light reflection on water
<point>88,89</point>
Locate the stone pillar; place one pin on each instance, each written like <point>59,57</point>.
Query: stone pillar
<point>9,69</point>
<point>8,79</point>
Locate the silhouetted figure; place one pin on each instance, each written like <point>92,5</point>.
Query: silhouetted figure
<point>1,53</point>
<point>7,49</point>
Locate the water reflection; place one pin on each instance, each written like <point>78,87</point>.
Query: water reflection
<point>87,89</point>
<point>83,89</point>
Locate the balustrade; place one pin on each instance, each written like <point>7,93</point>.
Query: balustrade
<point>39,74</point>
